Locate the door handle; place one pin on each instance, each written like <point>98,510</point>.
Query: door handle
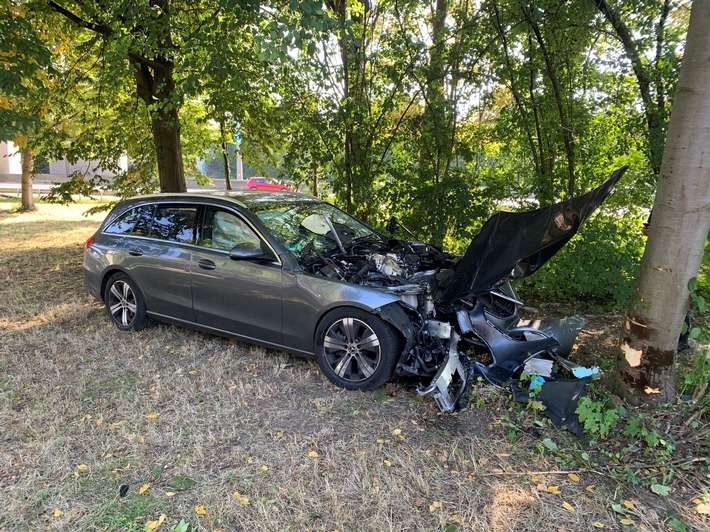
<point>136,252</point>
<point>206,264</point>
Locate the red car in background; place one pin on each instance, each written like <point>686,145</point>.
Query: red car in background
<point>264,183</point>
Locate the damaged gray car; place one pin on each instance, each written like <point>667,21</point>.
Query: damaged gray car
<point>293,273</point>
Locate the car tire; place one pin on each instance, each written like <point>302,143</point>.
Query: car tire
<point>253,188</point>
<point>125,303</point>
<point>284,189</point>
<point>355,349</point>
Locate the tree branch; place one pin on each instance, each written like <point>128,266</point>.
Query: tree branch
<point>76,19</point>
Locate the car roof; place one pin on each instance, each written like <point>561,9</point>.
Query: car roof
<point>243,198</point>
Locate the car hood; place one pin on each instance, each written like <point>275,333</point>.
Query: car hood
<point>517,244</point>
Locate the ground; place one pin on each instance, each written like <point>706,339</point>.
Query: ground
<point>104,430</point>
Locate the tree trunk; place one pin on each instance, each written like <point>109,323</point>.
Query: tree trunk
<point>678,231</point>
<point>156,88</point>
<point>225,157</point>
<point>28,163</point>
<point>315,177</point>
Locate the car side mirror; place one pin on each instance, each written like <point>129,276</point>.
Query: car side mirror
<point>251,251</point>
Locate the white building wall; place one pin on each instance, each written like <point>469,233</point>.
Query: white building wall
<point>10,161</point>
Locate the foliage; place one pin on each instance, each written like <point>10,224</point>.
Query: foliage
<point>599,416</point>
<point>598,265</point>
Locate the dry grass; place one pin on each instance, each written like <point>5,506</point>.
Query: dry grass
<point>270,444</point>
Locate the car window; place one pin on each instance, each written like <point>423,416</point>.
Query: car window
<point>289,223</point>
<point>224,230</point>
<point>135,221</point>
<point>174,223</point>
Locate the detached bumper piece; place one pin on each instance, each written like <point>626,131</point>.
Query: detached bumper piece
<point>451,385</point>
<point>560,398</point>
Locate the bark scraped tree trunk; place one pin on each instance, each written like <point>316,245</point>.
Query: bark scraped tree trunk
<point>678,231</point>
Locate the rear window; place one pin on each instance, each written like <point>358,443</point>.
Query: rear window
<point>173,223</point>
<point>132,222</point>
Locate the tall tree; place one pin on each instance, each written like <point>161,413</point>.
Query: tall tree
<point>25,81</point>
<point>650,32</point>
<point>142,33</point>
<point>678,230</point>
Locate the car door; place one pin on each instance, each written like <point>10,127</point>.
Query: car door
<point>242,297</point>
<point>158,256</point>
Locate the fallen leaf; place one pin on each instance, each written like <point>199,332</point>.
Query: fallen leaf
<point>703,508</point>
<point>660,489</point>
<point>240,498</point>
<point>591,487</point>
<point>264,468</point>
<point>57,512</point>
<point>181,483</point>
<point>380,441</point>
<point>396,432</point>
<point>567,506</point>
<point>170,494</point>
<point>200,510</point>
<point>553,489</point>
<point>597,524</point>
<point>313,454</point>
<point>535,479</point>
<point>152,525</point>
<point>434,506</point>
<point>82,467</point>
<point>626,521</point>
<point>574,477</point>
<point>154,415</point>
<point>387,462</point>
<point>144,488</point>
<point>629,504</point>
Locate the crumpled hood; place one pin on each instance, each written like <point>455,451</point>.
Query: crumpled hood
<point>523,241</point>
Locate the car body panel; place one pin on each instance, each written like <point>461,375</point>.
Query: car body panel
<point>521,241</point>
<point>307,298</point>
<point>240,297</point>
<point>162,270</point>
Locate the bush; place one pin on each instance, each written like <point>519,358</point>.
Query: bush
<point>600,264</point>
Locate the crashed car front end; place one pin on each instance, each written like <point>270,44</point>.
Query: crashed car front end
<point>457,316</point>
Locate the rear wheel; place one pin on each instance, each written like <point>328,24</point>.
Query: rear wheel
<point>356,350</point>
<point>252,188</point>
<point>125,304</point>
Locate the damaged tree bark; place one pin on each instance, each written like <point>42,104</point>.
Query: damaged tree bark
<point>678,232</point>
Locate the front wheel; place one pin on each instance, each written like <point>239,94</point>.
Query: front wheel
<point>125,304</point>
<point>356,350</point>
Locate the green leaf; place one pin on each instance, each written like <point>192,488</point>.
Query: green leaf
<point>182,482</point>
<point>157,472</point>
<point>660,489</point>
<point>547,442</point>
<point>676,525</point>
<point>182,526</point>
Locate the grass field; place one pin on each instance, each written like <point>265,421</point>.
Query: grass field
<point>173,430</point>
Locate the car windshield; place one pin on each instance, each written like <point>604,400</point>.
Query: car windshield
<point>301,223</point>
